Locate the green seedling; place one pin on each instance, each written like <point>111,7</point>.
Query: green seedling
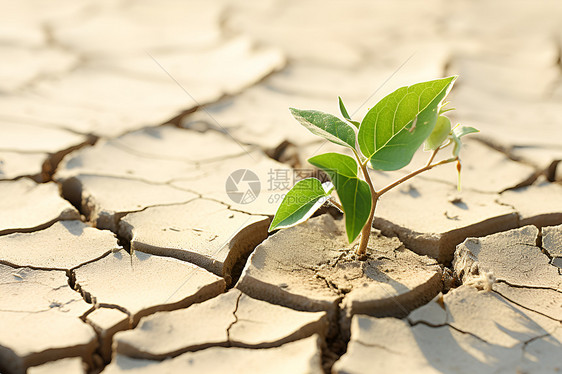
<point>386,139</point>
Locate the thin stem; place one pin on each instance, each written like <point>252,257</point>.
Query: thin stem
<point>358,158</point>
<point>414,173</point>
<point>442,146</point>
<point>366,231</point>
<point>432,156</point>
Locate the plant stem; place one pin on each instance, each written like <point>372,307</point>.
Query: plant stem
<point>366,232</point>
<point>414,173</point>
<point>442,146</point>
<point>432,156</point>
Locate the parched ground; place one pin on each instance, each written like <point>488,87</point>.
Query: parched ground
<point>145,146</point>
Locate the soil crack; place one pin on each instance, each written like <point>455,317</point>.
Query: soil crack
<point>412,324</point>
<point>115,306</point>
<point>527,286</point>
<point>374,345</point>
<point>525,307</point>
<point>337,340</point>
<point>235,319</point>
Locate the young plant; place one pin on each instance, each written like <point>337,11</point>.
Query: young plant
<point>386,139</point>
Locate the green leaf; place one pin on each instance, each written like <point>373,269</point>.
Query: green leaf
<point>299,203</point>
<point>444,108</point>
<point>461,131</point>
<point>345,115</point>
<point>456,135</point>
<point>396,126</point>
<point>354,193</point>
<point>439,134</point>
<point>342,109</point>
<point>326,125</point>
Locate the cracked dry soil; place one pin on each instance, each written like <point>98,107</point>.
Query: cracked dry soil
<point>121,251</point>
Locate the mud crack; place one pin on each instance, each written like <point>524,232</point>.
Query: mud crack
<point>235,319</point>
<point>412,324</point>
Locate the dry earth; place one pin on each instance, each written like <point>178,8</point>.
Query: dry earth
<point>122,122</point>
